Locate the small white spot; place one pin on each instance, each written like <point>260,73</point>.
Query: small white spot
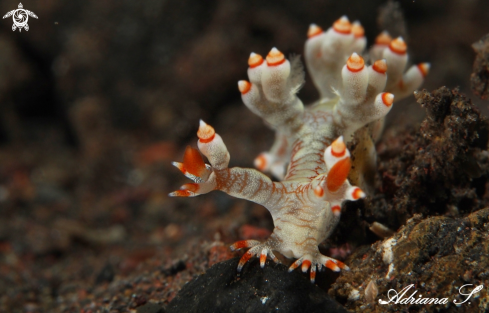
<point>388,256</point>
<point>264,300</point>
<point>354,295</point>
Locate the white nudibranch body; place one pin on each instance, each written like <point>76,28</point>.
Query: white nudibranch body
<point>354,97</point>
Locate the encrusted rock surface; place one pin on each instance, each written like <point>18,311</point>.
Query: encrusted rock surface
<point>438,255</point>
<point>440,167</point>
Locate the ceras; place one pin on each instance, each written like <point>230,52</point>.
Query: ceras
<point>306,203</point>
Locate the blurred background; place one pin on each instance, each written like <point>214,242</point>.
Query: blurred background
<point>98,98</point>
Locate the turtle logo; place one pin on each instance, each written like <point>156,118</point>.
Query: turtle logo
<point>20,17</point>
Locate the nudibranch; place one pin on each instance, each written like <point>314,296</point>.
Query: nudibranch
<point>309,156</point>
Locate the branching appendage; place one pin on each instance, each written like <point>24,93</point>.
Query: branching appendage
<point>306,204</point>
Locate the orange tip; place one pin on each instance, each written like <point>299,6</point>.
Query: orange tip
<point>387,99</point>
<point>314,30</point>
<point>341,265</point>
<point>383,38</point>
<point>294,265</point>
<point>181,193</point>
<point>261,162</point>
<point>357,194</point>
<point>398,46</point>
<point>205,133</point>
<point>239,245</point>
<point>193,187</point>
<point>305,265</point>
<point>355,63</point>
<point>380,66</point>
<point>193,162</point>
<point>179,166</point>
<point>255,60</point>
<point>275,57</point>
<point>337,174</point>
<point>357,29</point>
<point>263,258</point>
<point>244,86</point>
<point>338,148</point>
<point>243,260</point>
<point>424,68</point>
<point>319,191</point>
<point>342,25</point>
<point>332,266</point>
<point>313,275</point>
<point>336,210</point>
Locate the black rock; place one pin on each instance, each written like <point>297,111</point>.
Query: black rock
<point>222,289</point>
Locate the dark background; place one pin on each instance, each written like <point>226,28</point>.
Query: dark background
<point>158,66</point>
